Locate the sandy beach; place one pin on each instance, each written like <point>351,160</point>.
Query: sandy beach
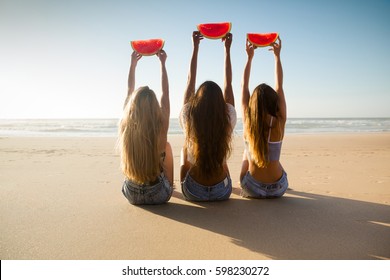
<point>61,199</point>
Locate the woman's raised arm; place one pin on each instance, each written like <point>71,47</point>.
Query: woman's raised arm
<point>245,94</point>
<point>228,89</point>
<point>276,48</point>
<point>190,89</point>
<point>131,79</point>
<point>165,105</point>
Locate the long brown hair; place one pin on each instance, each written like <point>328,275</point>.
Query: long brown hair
<point>139,131</point>
<point>262,104</point>
<point>208,129</point>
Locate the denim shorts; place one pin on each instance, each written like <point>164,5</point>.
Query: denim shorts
<point>158,193</point>
<point>196,192</point>
<point>253,188</point>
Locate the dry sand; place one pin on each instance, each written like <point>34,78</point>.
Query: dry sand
<point>60,198</point>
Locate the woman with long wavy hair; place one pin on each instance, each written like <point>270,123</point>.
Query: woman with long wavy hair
<point>264,116</point>
<point>208,118</point>
<point>146,156</point>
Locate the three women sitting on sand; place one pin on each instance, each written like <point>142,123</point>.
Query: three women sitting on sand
<point>208,118</point>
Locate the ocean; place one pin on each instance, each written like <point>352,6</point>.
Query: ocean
<point>108,127</point>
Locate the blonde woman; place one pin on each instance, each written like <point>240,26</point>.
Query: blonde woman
<point>146,156</point>
<point>208,118</point>
<point>264,116</point>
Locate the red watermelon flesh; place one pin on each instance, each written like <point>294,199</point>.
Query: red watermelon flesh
<point>262,39</point>
<point>214,30</point>
<point>147,47</point>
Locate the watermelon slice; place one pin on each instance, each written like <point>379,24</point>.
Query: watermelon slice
<point>214,30</point>
<point>262,39</point>
<point>147,47</point>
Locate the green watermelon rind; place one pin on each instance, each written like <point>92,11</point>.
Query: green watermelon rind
<point>214,37</point>
<point>147,53</point>
<point>248,36</point>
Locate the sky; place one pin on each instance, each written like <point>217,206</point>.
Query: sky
<point>70,59</point>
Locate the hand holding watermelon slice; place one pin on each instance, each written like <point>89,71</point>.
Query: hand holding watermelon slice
<point>250,49</point>
<point>276,47</point>
<point>228,40</point>
<point>134,58</point>
<point>162,55</point>
<point>196,37</point>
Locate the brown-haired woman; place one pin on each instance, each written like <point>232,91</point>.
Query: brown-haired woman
<point>264,116</point>
<point>208,118</point>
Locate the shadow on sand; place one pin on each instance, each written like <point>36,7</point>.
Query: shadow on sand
<point>297,226</point>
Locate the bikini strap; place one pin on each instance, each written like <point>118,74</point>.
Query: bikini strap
<point>269,131</point>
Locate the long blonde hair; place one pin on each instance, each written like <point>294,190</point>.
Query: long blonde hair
<point>139,132</point>
<point>208,129</point>
<point>262,104</point>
